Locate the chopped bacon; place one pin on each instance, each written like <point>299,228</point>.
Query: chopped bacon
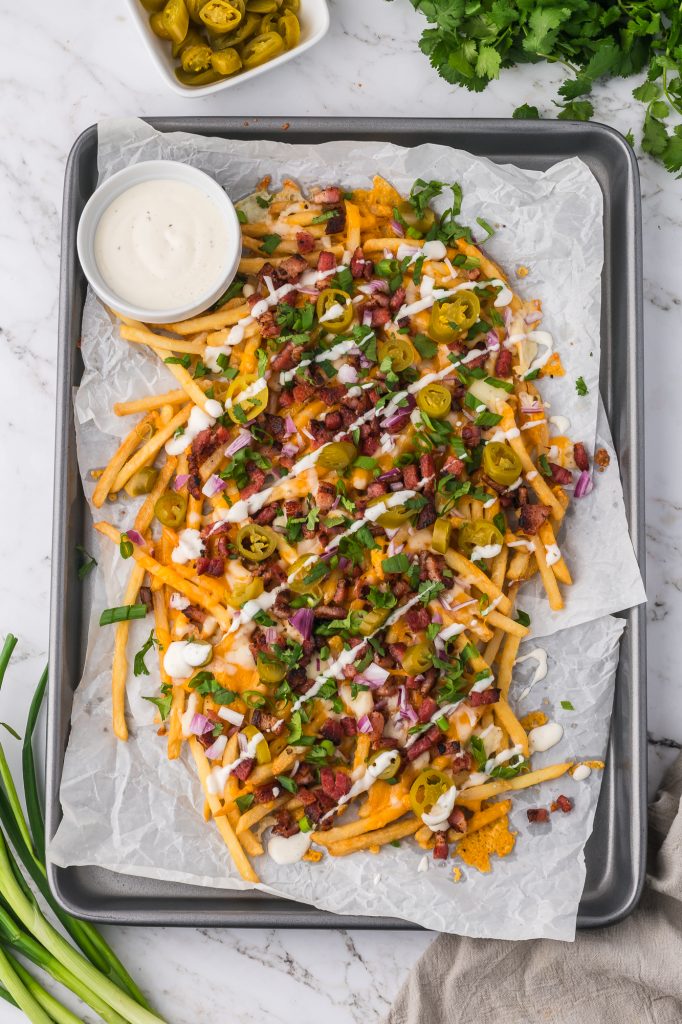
<point>256,478</point>
<point>376,720</point>
<point>210,567</point>
<point>332,730</point>
<point>427,468</point>
<point>580,457</point>
<point>471,435</point>
<point>397,651</point>
<point>335,783</point>
<point>537,814</point>
<point>333,421</point>
<point>289,270</point>
<point>427,516</point>
<point>285,825</point>
<point>269,328</point>
<point>531,518</point>
<point>503,363</point>
<point>379,316</point>
<point>266,722</point>
<point>490,696</point>
<point>265,793</point>
<point>563,803</point>
<point>244,768</point>
<point>427,709</point>
<point>359,266</point>
<point>266,515</point>
<point>461,761</point>
<point>304,775</point>
<point>396,300</point>
<point>440,849</point>
<point>317,803</point>
<point>330,611</point>
<point>326,496</point>
<point>423,743</point>
<point>560,475</point>
<point>337,222</point>
<point>326,261</point>
<point>453,465</point>
<point>410,477</point>
<point>273,424</point>
<point>303,390</point>
<point>288,358</point>
<point>376,489</point>
<point>146,597</point>
<point>204,445</point>
<point>328,196</point>
<point>349,725</point>
<point>305,242</point>
<point>457,820</point>
<point>417,618</point>
<point>195,614</point>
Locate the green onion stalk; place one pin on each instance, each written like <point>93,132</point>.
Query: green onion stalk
<point>92,971</point>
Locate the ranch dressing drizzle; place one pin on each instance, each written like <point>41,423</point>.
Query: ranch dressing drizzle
<point>161,244</point>
<point>503,299</point>
<point>539,655</point>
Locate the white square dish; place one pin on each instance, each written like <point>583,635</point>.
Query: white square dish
<point>313,16</point>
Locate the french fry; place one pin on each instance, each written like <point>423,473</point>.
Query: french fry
<point>143,336</point>
<point>128,445</point>
<point>560,569</point>
<point>362,825</point>
<point>377,838</point>
<point>240,859</point>
<point>508,720</point>
<point>556,602</point>
<point>506,663</point>
<point>489,789</point>
<point>480,819</point>
<point>227,316</point>
<point>150,402</point>
<point>148,452</point>
<point>258,812</point>
<point>119,670</point>
<point>145,512</point>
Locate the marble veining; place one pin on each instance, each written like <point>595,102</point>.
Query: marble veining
<point>87,62</point>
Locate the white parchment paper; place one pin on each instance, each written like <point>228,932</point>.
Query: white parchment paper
<point>126,807</point>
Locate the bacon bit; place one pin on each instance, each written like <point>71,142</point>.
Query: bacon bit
<point>204,445</point>
<point>146,597</point>
<point>580,457</point>
<point>305,242</point>
<point>537,814</point>
<point>531,518</point>
<point>244,768</point>
<point>441,850</point>
<point>266,722</point>
<point>457,820</point>
<point>410,477</point>
<point>335,783</point>
<point>503,363</point>
<point>602,459</point>
<point>563,803</point>
<point>210,567</point>
<point>195,614</point>
<point>332,730</point>
<point>453,465</point>
<point>471,435</point>
<point>427,468</point>
<point>285,825</point>
<point>396,300</point>
<point>349,725</point>
<point>337,222</point>
<point>257,478</point>
<point>561,476</point>
<point>325,261</point>
<point>361,267</point>
<point>264,794</point>
<point>423,743</point>
<point>478,699</point>
<point>328,196</point>
<point>476,848</point>
<point>428,708</point>
<point>288,358</point>
<point>325,497</point>
<point>418,618</point>
<point>427,516</point>
<point>268,326</point>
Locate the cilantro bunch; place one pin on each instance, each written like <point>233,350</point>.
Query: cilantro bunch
<point>471,41</point>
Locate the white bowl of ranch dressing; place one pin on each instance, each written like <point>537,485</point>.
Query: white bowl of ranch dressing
<point>159,241</point>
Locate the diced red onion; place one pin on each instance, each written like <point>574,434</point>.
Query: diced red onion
<point>242,440</point>
<point>437,617</point>
<point>306,291</point>
<point>302,620</point>
<point>584,485</point>
<point>200,724</point>
<point>367,318</point>
<point>180,481</point>
<point>289,426</point>
<point>136,537</point>
<point>214,485</point>
<point>365,363</point>
<point>389,475</point>
<point>395,487</point>
<point>375,674</point>
<point>404,706</point>
<point>444,601</point>
<point>347,374</point>
<point>492,342</point>
<point>271,635</point>
<point>397,227</point>
<point>289,450</point>
<point>377,284</point>
<point>401,413</point>
<point>364,725</point>
<point>217,748</point>
<point>235,718</point>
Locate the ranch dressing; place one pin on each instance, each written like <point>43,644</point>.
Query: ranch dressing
<point>289,849</point>
<point>161,244</point>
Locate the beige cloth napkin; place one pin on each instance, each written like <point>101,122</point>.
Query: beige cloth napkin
<point>630,973</point>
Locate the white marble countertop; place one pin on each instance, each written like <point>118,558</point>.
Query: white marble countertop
<point>85,61</point>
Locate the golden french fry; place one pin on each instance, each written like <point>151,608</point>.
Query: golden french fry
<point>379,837</point>
<point>488,789</point>
<point>119,671</point>
<point>106,482</point>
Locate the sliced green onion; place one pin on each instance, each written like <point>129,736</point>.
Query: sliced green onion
<point>122,613</point>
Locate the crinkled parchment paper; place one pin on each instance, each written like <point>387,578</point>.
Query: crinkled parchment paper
<point>128,808</point>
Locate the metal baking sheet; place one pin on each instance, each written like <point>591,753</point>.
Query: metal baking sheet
<point>615,853</point>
